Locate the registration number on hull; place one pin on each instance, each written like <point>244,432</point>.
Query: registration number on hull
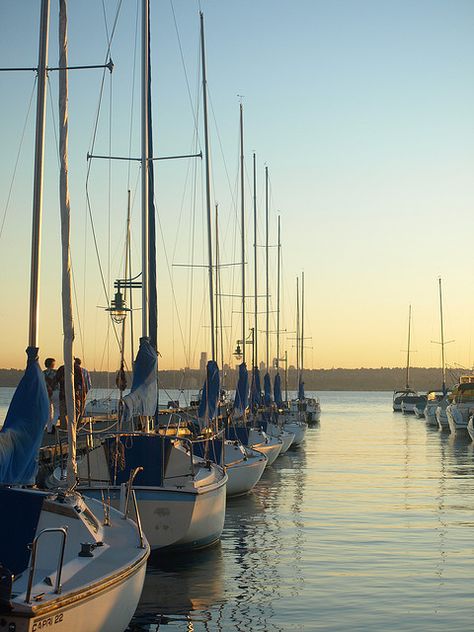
<point>47,622</point>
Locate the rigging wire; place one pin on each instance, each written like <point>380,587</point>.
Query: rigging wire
<point>168,267</point>
<point>10,190</point>
<point>132,103</point>
<point>195,114</point>
<point>91,151</point>
<point>196,145</point>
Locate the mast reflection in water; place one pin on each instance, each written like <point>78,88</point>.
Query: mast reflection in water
<point>234,585</point>
<point>367,527</point>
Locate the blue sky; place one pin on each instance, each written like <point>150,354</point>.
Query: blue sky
<point>362,111</point>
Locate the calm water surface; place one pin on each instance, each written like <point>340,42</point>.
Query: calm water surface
<point>368,527</point>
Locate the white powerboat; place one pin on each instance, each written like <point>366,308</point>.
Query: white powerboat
<point>313,410</point>
<point>441,416</point>
<point>433,400</point>
<point>461,408</point>
<point>398,397</point>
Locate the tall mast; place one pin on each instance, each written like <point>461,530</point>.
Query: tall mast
<point>286,376</point>
<point>126,267</point>
<point>267,289</point>
<point>297,330</point>
<point>129,273</point>
<point>145,70</point>
<point>407,385</point>
<point>38,175</point>
<point>219,326</point>
<point>302,321</point>
<point>242,225</point>
<point>443,365</point>
<point>278,298</point>
<point>208,192</point>
<point>255,281</point>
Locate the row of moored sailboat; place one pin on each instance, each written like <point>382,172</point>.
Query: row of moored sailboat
<point>73,553</point>
<point>447,408</point>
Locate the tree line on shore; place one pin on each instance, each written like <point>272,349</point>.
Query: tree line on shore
<point>336,379</point>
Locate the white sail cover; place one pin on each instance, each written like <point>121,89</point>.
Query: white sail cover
<point>68,321</point>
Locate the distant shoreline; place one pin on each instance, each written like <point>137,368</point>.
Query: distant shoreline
<point>382,379</point>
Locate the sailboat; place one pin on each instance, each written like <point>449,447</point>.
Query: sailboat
<point>181,496</point>
<point>267,416</point>
<point>438,398</point>
<point>248,430</point>
<point>459,412</point>
<point>65,560</point>
<point>244,466</point>
<point>295,415</point>
<point>400,395</point>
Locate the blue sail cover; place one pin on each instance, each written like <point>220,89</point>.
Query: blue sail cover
<point>267,389</point>
<point>301,394</point>
<point>22,432</point>
<point>210,392</point>
<point>255,389</point>
<point>242,393</point>
<point>143,396</point>
<point>277,391</point>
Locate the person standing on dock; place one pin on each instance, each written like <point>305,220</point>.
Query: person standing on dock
<point>79,390</point>
<point>53,393</point>
<point>86,381</point>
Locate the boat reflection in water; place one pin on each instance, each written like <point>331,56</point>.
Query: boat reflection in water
<point>262,540</point>
<point>180,591</point>
<point>245,581</point>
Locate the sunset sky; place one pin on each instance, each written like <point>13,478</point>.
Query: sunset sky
<point>363,111</point>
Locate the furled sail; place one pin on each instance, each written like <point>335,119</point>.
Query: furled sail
<point>267,389</point>
<point>22,432</point>
<point>255,390</point>
<point>242,391</point>
<point>143,396</point>
<point>277,391</point>
<point>66,283</point>
<point>210,393</point>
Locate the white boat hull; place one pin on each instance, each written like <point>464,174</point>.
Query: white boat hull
<point>269,446</point>
<point>100,592</point>
<point>176,519</point>
<point>470,427</point>
<point>430,414</point>
<point>286,437</point>
<point>313,411</point>
<point>297,428</point>
<point>243,476</point>
<point>442,418</point>
<point>458,417</point>
<point>105,610</point>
